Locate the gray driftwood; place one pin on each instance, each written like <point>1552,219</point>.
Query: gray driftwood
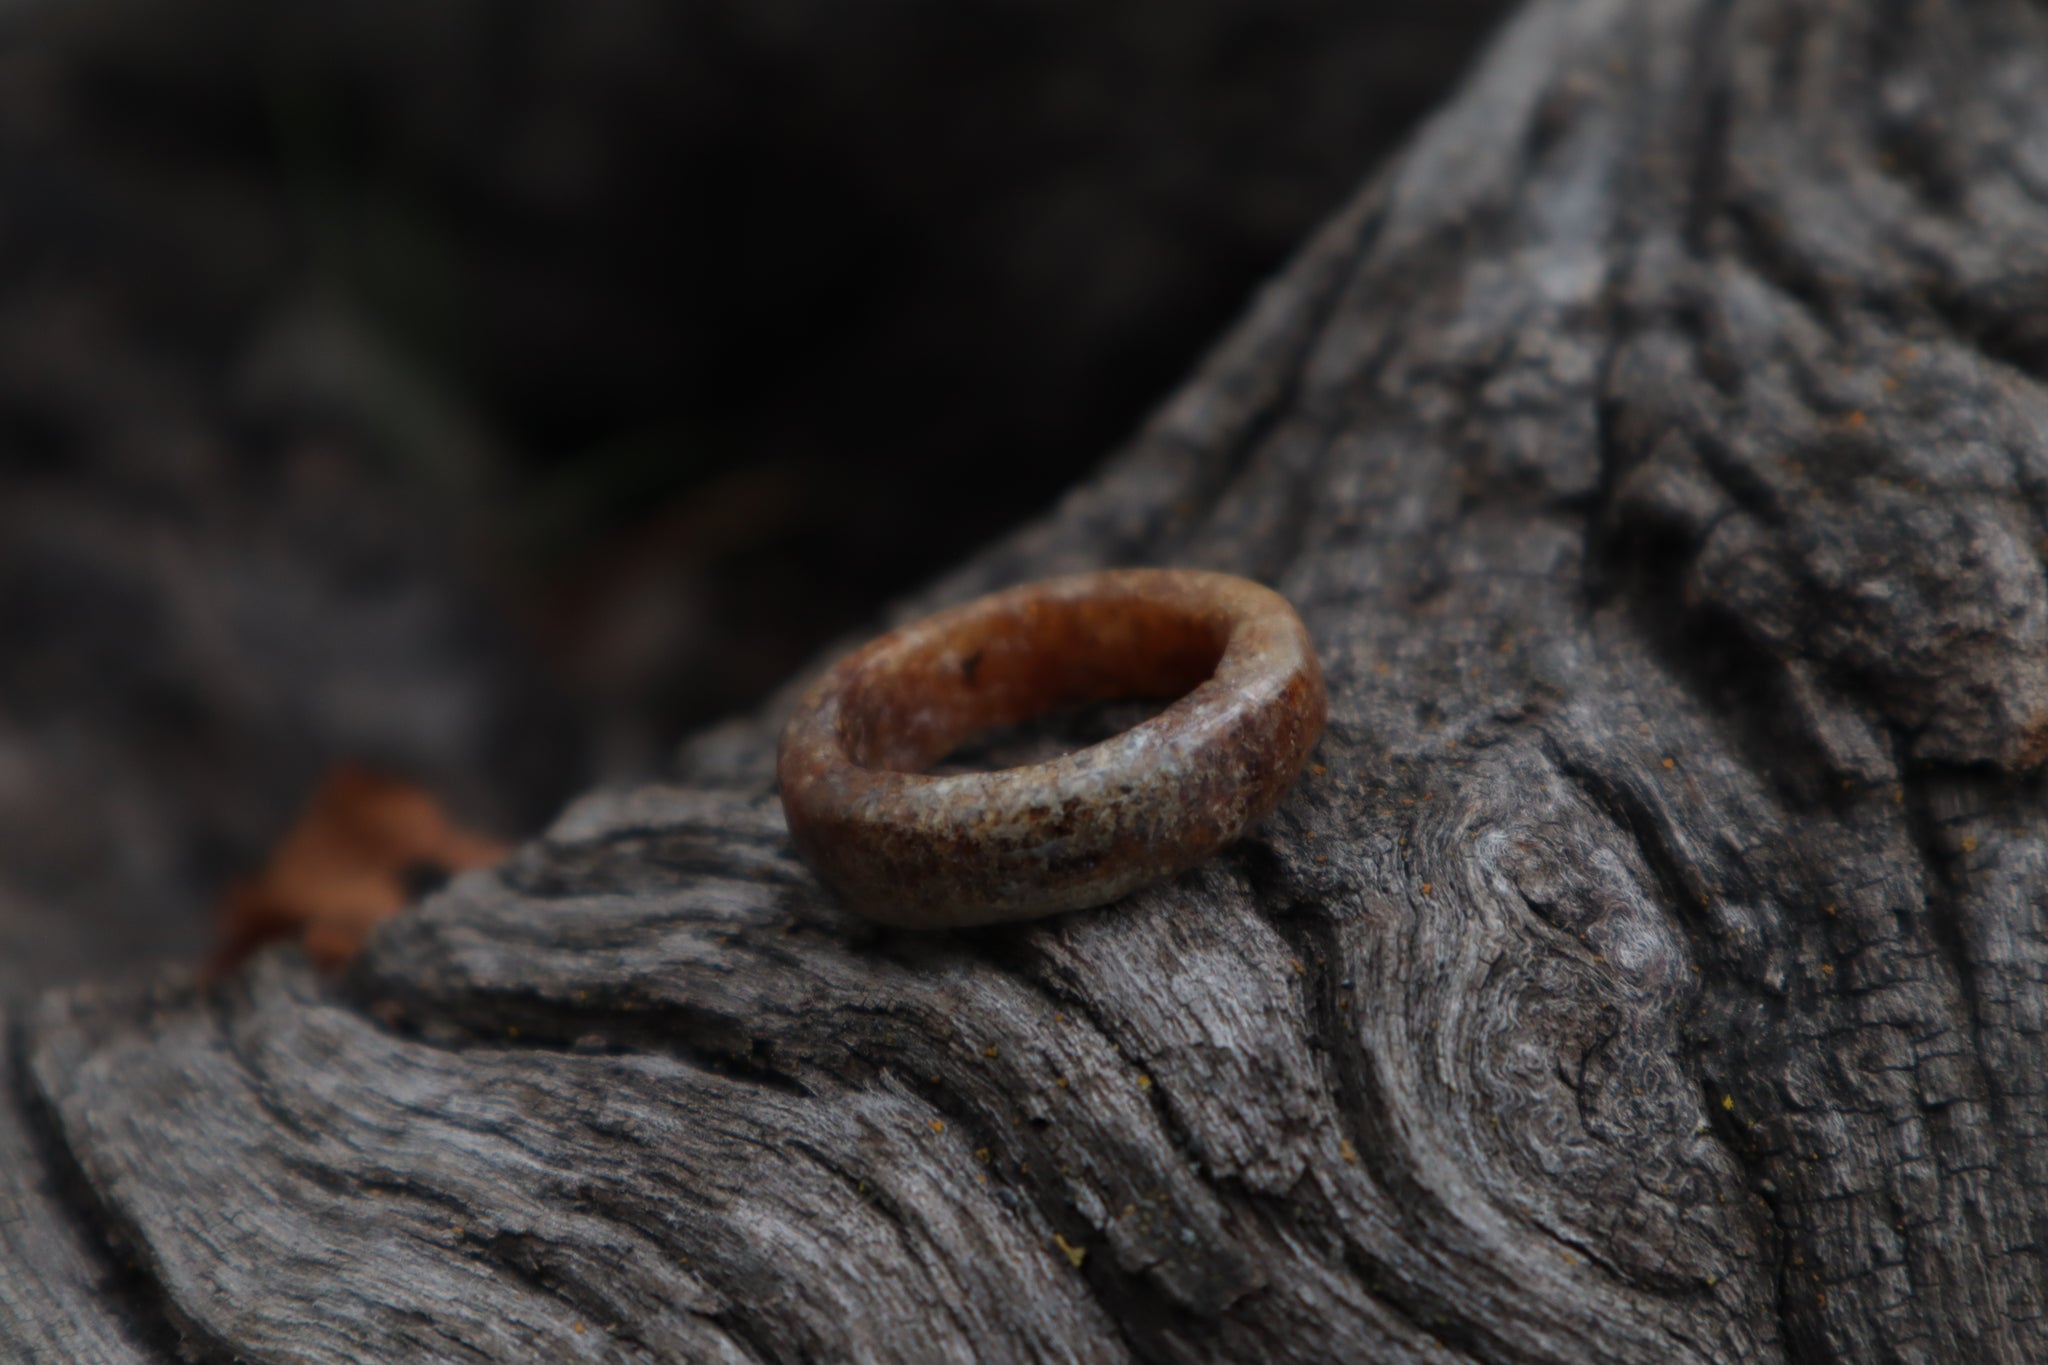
<point>1654,967</point>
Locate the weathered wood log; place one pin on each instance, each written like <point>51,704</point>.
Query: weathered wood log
<point>1653,966</point>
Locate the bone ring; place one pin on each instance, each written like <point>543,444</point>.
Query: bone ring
<point>1079,830</point>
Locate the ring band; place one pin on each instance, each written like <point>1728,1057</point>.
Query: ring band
<point>1079,830</point>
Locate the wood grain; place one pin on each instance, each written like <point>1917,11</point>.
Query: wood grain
<point>1653,968</point>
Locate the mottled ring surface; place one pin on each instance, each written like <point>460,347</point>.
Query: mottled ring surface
<point>1082,829</point>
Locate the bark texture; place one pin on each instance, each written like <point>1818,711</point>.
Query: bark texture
<point>1653,966</point>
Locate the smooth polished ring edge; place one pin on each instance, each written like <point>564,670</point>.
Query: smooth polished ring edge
<point>1084,828</point>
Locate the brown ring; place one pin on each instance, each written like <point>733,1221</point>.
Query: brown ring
<point>1081,829</point>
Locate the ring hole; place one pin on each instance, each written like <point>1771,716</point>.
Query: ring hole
<point>1044,738</point>
<point>1028,678</point>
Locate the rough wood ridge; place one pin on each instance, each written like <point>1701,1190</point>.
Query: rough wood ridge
<point>1653,968</point>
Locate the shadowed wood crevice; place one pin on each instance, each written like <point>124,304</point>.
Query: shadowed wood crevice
<point>74,1295</point>
<point>1652,964</point>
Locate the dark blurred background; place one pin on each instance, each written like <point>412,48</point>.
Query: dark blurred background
<point>492,391</point>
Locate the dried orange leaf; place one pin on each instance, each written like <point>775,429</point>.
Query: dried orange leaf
<point>345,867</point>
